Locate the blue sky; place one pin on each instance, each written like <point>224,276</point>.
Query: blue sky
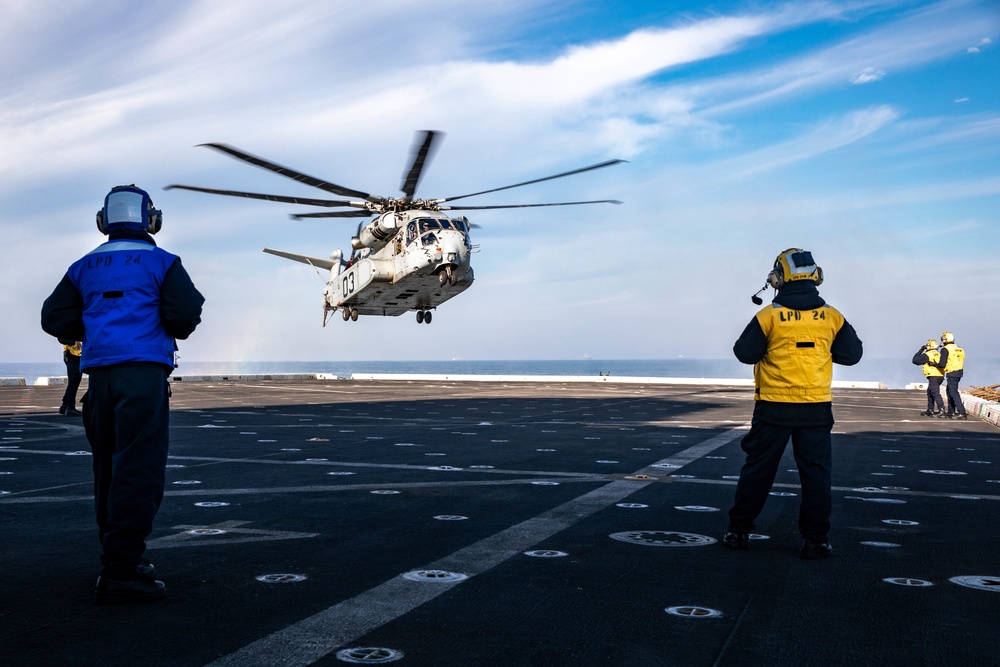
<point>865,131</point>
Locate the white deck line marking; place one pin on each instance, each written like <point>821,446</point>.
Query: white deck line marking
<point>283,389</point>
<point>15,499</point>
<point>848,489</point>
<point>312,638</point>
<point>390,466</point>
<point>234,532</point>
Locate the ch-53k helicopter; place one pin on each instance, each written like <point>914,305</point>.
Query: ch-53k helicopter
<point>411,257</point>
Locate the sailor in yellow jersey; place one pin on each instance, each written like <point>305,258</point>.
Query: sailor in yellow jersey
<point>793,344</point>
<point>71,357</point>
<point>928,357</point>
<point>952,362</point>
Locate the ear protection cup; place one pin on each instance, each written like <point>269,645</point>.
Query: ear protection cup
<point>155,217</point>
<point>775,278</point>
<point>819,279</point>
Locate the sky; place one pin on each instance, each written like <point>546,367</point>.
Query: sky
<point>866,131</point>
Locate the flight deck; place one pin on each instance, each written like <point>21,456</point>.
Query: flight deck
<point>416,522</point>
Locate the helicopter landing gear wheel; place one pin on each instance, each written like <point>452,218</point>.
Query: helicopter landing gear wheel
<point>452,278</point>
<point>423,317</point>
<point>420,317</point>
<point>442,278</point>
<point>346,313</point>
<point>427,317</point>
<point>354,314</point>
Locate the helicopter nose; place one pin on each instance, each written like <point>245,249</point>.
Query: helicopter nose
<point>452,251</point>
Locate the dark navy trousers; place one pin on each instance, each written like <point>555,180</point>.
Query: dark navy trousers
<point>125,413</point>
<point>73,378</point>
<point>934,402</point>
<point>764,446</point>
<point>955,404</point>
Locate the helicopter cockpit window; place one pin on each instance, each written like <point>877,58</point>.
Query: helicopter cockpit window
<point>427,224</point>
<point>411,232</point>
<point>445,224</point>
<point>428,239</point>
<point>459,225</point>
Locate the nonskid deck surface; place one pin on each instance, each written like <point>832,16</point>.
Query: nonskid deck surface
<point>448,523</point>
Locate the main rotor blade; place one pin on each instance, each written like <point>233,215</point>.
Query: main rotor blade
<point>306,201</point>
<point>420,155</point>
<point>563,203</point>
<point>537,180</point>
<point>333,214</point>
<point>291,173</point>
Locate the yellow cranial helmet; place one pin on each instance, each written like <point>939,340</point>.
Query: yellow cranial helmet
<point>931,344</point>
<point>947,337</point>
<point>792,265</point>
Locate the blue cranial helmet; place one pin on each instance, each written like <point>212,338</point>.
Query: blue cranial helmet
<point>129,207</point>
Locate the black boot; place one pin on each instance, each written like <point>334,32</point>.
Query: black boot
<point>123,591</point>
<point>814,550</point>
<point>738,541</point>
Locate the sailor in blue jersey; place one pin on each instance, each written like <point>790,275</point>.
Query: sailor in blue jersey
<point>127,301</point>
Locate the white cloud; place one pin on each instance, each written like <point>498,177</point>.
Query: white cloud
<point>960,100</point>
<point>867,75</point>
<point>827,136</point>
<point>893,45</point>
<point>985,41</point>
<point>585,71</point>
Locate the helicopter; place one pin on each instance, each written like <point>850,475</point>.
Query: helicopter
<point>411,257</point>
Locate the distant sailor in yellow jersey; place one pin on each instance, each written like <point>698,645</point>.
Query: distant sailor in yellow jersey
<point>71,357</point>
<point>952,362</point>
<point>793,344</point>
<point>928,357</point>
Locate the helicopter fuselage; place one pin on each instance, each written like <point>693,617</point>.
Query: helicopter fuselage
<point>423,264</point>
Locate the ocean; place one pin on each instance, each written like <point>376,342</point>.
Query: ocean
<point>894,373</point>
